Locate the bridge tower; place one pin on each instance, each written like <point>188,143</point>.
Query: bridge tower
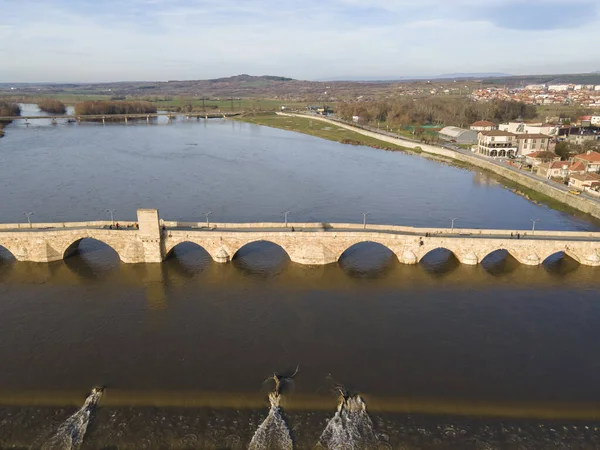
<point>150,235</point>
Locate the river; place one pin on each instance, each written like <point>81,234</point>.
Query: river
<point>184,347</point>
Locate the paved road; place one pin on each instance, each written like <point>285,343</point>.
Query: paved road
<point>538,235</point>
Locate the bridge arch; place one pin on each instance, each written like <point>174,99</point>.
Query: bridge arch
<point>561,262</point>
<point>6,254</point>
<point>258,242</point>
<point>366,256</point>
<point>73,247</point>
<point>185,245</point>
<point>439,259</point>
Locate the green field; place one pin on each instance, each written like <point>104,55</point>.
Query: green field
<point>320,129</point>
<point>244,104</point>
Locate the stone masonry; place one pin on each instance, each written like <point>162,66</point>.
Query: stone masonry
<point>313,246</point>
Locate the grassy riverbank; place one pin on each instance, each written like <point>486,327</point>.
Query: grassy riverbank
<point>320,129</point>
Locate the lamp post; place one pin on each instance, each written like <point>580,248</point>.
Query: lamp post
<point>206,214</point>
<point>452,219</point>
<point>533,225</point>
<point>365,214</point>
<point>112,217</point>
<point>285,215</point>
<point>28,214</point>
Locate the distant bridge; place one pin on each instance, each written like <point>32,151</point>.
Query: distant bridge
<point>305,243</point>
<point>125,117</point>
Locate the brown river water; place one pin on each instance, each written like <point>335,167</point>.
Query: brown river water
<point>444,355</point>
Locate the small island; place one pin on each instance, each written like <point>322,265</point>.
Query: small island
<point>91,108</point>
<point>52,106</point>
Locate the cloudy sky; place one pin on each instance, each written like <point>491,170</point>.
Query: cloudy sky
<point>110,40</point>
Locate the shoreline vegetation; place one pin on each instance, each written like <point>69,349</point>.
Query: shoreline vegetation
<point>114,107</point>
<point>9,109</point>
<point>316,128</point>
<point>52,106</point>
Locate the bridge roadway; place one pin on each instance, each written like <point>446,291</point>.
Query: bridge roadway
<point>79,117</point>
<point>308,243</point>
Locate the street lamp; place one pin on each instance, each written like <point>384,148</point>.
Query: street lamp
<point>206,214</point>
<point>285,215</point>
<point>533,225</point>
<point>365,214</point>
<point>28,214</point>
<point>452,226</point>
<point>112,217</point>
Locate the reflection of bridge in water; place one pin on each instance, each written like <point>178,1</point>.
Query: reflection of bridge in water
<point>305,243</point>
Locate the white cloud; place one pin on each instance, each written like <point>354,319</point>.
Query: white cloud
<point>177,39</point>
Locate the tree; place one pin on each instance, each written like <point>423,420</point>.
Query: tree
<point>546,156</point>
<point>563,150</point>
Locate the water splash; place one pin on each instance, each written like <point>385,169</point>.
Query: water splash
<point>70,434</point>
<point>273,433</point>
<point>351,427</point>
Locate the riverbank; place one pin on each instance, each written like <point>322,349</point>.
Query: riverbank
<point>307,125</point>
<point>537,190</point>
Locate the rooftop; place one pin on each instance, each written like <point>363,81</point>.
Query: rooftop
<point>497,133</point>
<point>541,154</point>
<point>532,136</point>
<point>454,131</point>
<point>484,123</point>
<point>589,156</point>
<point>577,166</point>
<point>586,177</point>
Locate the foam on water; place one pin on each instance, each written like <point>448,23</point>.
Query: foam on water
<point>70,434</point>
<point>350,428</point>
<point>273,433</point>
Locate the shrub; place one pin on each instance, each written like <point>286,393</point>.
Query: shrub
<point>50,105</point>
<point>9,109</point>
<point>114,107</point>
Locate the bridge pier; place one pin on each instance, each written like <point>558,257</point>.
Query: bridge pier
<point>103,120</point>
<point>150,235</point>
<point>125,120</point>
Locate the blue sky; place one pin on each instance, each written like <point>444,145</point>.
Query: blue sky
<point>110,40</point>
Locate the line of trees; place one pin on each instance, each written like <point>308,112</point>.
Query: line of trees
<point>9,109</point>
<point>459,112</point>
<point>114,107</point>
<point>51,105</point>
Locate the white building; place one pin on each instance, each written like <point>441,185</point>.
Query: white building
<point>535,87</point>
<point>558,87</point>
<point>529,143</point>
<point>595,121</point>
<point>497,143</point>
<point>529,128</point>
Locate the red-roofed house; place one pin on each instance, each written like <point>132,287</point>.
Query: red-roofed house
<point>590,159</point>
<point>484,125</point>
<point>553,169</point>
<point>576,167</point>
<point>537,158</point>
<point>586,180</point>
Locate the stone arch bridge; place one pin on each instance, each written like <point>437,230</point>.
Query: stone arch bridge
<point>146,241</point>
